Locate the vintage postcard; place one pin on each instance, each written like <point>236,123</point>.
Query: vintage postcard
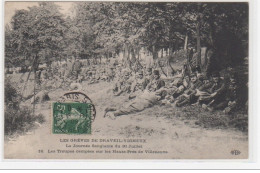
<point>126,80</point>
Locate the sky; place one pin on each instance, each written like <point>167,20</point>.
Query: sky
<point>10,8</point>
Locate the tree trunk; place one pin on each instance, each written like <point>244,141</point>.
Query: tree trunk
<point>155,53</point>
<point>211,33</point>
<point>124,54</point>
<point>171,51</point>
<point>138,50</point>
<point>34,86</point>
<point>176,46</point>
<point>133,58</point>
<point>186,42</point>
<point>198,38</point>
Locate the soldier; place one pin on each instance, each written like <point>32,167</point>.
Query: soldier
<point>199,74</point>
<point>189,96</point>
<point>147,99</point>
<point>44,75</point>
<point>231,96</point>
<point>207,84</point>
<point>149,74</point>
<point>77,68</point>
<point>123,85</point>
<point>138,85</point>
<point>156,82</point>
<point>180,88</point>
<point>89,75</point>
<point>68,71</point>
<point>204,91</point>
<point>174,90</point>
<point>40,97</point>
<point>217,93</point>
<point>103,75</point>
<point>118,72</point>
<point>94,77</point>
<point>110,74</point>
<point>75,86</point>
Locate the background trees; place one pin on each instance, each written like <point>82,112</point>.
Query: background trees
<point>104,29</point>
<point>36,35</point>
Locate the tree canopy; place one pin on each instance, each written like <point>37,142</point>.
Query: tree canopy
<point>36,35</point>
<point>105,28</point>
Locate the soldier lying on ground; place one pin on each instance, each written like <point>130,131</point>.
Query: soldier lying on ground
<point>145,100</point>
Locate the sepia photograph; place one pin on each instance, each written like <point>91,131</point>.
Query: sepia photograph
<point>126,80</point>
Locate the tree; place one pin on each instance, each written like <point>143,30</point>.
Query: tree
<point>38,33</point>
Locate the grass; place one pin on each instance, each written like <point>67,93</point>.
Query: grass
<point>216,119</point>
<point>198,116</point>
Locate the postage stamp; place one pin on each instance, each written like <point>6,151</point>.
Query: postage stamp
<point>71,118</point>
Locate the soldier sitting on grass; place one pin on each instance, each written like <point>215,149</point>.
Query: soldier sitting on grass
<point>123,85</point>
<point>189,96</point>
<point>231,96</point>
<point>138,85</point>
<point>175,90</point>
<point>216,97</point>
<point>156,83</point>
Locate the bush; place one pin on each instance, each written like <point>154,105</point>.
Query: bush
<point>17,118</point>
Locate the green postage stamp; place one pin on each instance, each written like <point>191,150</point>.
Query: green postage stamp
<point>71,118</point>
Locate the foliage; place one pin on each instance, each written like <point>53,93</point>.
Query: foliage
<point>17,118</point>
<point>107,28</point>
<point>36,35</point>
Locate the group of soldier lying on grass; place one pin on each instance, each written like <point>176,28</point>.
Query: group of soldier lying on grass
<point>146,89</point>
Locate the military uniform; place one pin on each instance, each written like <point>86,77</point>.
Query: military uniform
<point>218,92</point>
<point>138,85</point>
<point>146,99</point>
<point>189,96</point>
<point>123,85</point>
<point>77,68</point>
<point>69,69</point>
<point>141,102</point>
<point>148,75</point>
<point>155,84</point>
<point>231,97</point>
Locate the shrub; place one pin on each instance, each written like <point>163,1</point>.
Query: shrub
<point>17,118</point>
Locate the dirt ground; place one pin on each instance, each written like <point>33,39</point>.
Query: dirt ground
<point>160,126</point>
